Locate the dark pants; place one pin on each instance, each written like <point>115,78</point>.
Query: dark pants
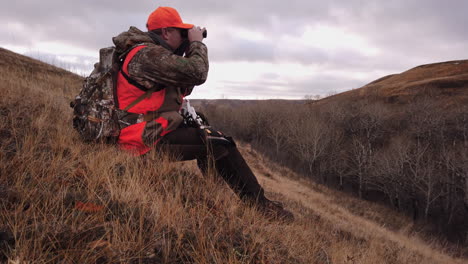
<point>187,143</point>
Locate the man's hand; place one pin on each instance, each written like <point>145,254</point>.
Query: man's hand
<point>195,34</point>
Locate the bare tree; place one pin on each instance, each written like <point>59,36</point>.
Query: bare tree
<point>366,129</point>
<point>423,175</point>
<point>309,137</point>
<point>277,132</point>
<point>257,117</point>
<point>389,171</point>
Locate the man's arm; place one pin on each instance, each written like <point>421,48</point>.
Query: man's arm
<point>155,64</point>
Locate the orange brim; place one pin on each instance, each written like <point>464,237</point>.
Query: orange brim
<point>184,26</point>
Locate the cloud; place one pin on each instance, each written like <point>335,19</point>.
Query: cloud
<point>243,50</point>
<point>416,26</point>
<point>327,45</point>
<point>80,65</point>
<point>264,89</point>
<point>423,29</point>
<point>88,24</point>
<point>261,80</point>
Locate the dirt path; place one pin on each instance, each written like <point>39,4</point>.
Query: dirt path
<point>337,215</point>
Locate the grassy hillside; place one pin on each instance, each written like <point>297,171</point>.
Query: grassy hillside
<point>401,140</point>
<point>445,81</point>
<point>62,201</point>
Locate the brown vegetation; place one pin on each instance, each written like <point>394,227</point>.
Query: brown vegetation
<point>62,201</point>
<point>401,140</point>
<point>446,82</point>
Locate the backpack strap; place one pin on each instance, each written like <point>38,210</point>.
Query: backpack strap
<point>124,63</point>
<point>143,96</point>
<point>133,82</point>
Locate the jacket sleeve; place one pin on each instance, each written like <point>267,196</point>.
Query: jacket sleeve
<point>155,64</point>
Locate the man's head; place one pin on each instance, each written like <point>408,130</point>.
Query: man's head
<point>166,22</point>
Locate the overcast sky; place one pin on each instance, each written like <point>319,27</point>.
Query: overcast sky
<point>258,49</point>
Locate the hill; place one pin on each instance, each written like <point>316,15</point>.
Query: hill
<point>445,81</point>
<point>401,140</point>
<point>62,201</point>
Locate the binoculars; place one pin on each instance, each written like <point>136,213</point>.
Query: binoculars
<point>184,33</point>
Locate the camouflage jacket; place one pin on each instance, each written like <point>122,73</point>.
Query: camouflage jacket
<point>156,65</point>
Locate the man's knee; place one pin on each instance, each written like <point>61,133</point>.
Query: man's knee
<point>219,151</point>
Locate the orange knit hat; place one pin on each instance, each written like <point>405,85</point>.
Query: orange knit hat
<point>164,17</point>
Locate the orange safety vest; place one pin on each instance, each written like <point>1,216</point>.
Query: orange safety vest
<point>130,138</point>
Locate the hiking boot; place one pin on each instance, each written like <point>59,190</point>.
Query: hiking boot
<point>275,210</point>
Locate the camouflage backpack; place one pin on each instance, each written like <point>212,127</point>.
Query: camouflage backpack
<point>96,116</point>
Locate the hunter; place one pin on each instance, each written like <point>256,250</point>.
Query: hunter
<point>155,62</point>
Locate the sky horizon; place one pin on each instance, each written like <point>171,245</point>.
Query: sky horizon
<point>258,49</point>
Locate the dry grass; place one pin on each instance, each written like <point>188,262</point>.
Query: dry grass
<point>446,81</point>
<point>62,201</point>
